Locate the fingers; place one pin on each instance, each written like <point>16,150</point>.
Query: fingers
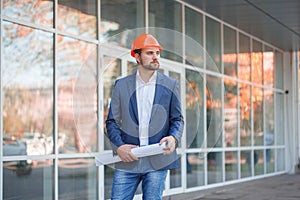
<point>124,152</point>
<point>171,144</point>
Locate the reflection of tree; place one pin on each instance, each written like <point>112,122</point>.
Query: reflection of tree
<point>194,108</point>
<point>26,110</point>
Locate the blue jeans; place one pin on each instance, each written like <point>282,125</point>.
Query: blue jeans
<point>126,183</point>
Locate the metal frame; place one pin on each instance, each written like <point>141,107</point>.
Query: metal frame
<point>100,171</point>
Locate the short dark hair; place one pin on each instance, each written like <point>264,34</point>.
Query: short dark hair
<point>138,51</point>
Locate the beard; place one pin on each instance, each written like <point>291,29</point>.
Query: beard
<point>152,66</point>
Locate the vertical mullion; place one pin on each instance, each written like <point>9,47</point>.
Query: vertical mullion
<point>238,105</point>
<point>204,101</point>
<point>100,137</point>
<point>182,79</point>
<point>1,107</point>
<point>55,114</point>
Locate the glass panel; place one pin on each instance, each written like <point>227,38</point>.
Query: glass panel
<point>194,109</point>
<point>28,180</point>
<point>245,114</point>
<point>108,174</point>
<point>130,15</point>
<point>230,52</point>
<point>194,42</point>
<point>230,113</point>
<point>269,117</point>
<point>77,99</point>
<point>157,18</point>
<point>32,11</point>
<point>244,58</point>
<point>195,170</point>
<point>268,61</point>
<point>280,160</point>
<point>279,129</point>
<point>175,177</point>
<point>213,45</point>
<point>27,90</point>
<point>176,76</point>
<point>231,165</point>
<point>110,75</point>
<point>77,17</point>
<point>131,68</point>
<point>278,70</point>
<point>257,60</point>
<point>77,179</point>
<point>257,100</point>
<point>259,162</point>
<point>214,111</point>
<point>246,166</point>
<point>270,160</point>
<point>214,167</point>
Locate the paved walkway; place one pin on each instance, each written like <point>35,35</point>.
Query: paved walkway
<point>280,187</point>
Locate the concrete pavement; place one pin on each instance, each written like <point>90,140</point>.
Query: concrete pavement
<point>279,187</point>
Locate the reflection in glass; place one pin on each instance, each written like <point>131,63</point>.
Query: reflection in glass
<point>131,68</point>
<point>246,163</point>
<point>214,111</point>
<point>214,167</point>
<point>194,40</point>
<point>213,45</point>
<point>77,17</point>
<point>257,63</point>
<point>269,118</point>
<point>195,170</point>
<point>27,80</point>
<point>258,162</point>
<point>130,15</point>
<point>257,102</point>
<point>244,58</point>
<point>268,65</point>
<point>194,109</point>
<point>77,99</point>
<point>270,160</point>
<point>230,52</point>
<point>280,110</point>
<point>230,113</point>
<point>173,21</point>
<point>37,12</point>
<point>175,178</point>
<point>28,180</point>
<point>279,70</point>
<point>279,160</point>
<point>108,178</point>
<point>77,179</point>
<point>231,165</point>
<point>245,114</point>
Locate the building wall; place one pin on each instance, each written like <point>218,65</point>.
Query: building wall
<point>57,73</point>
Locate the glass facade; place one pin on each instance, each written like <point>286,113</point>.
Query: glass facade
<point>55,95</point>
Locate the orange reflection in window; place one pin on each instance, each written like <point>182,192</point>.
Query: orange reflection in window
<point>257,72</point>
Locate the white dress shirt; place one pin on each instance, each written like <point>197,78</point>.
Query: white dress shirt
<point>145,96</point>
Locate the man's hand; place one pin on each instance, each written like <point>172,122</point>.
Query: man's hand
<point>171,144</point>
<point>124,152</point>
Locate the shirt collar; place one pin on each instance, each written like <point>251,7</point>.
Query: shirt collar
<point>151,80</point>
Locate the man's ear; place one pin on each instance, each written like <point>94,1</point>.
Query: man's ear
<point>137,57</point>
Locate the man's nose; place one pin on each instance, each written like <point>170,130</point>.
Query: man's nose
<point>155,56</point>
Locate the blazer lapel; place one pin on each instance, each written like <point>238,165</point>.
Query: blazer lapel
<point>131,85</point>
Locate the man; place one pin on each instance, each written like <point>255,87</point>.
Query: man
<point>145,109</point>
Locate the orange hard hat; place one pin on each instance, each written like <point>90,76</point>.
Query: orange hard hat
<point>144,41</point>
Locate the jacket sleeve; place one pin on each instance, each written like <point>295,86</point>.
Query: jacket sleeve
<point>176,117</point>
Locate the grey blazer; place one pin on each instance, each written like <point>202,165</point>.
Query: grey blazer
<point>166,118</point>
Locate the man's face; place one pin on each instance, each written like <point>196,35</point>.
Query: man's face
<point>149,58</point>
